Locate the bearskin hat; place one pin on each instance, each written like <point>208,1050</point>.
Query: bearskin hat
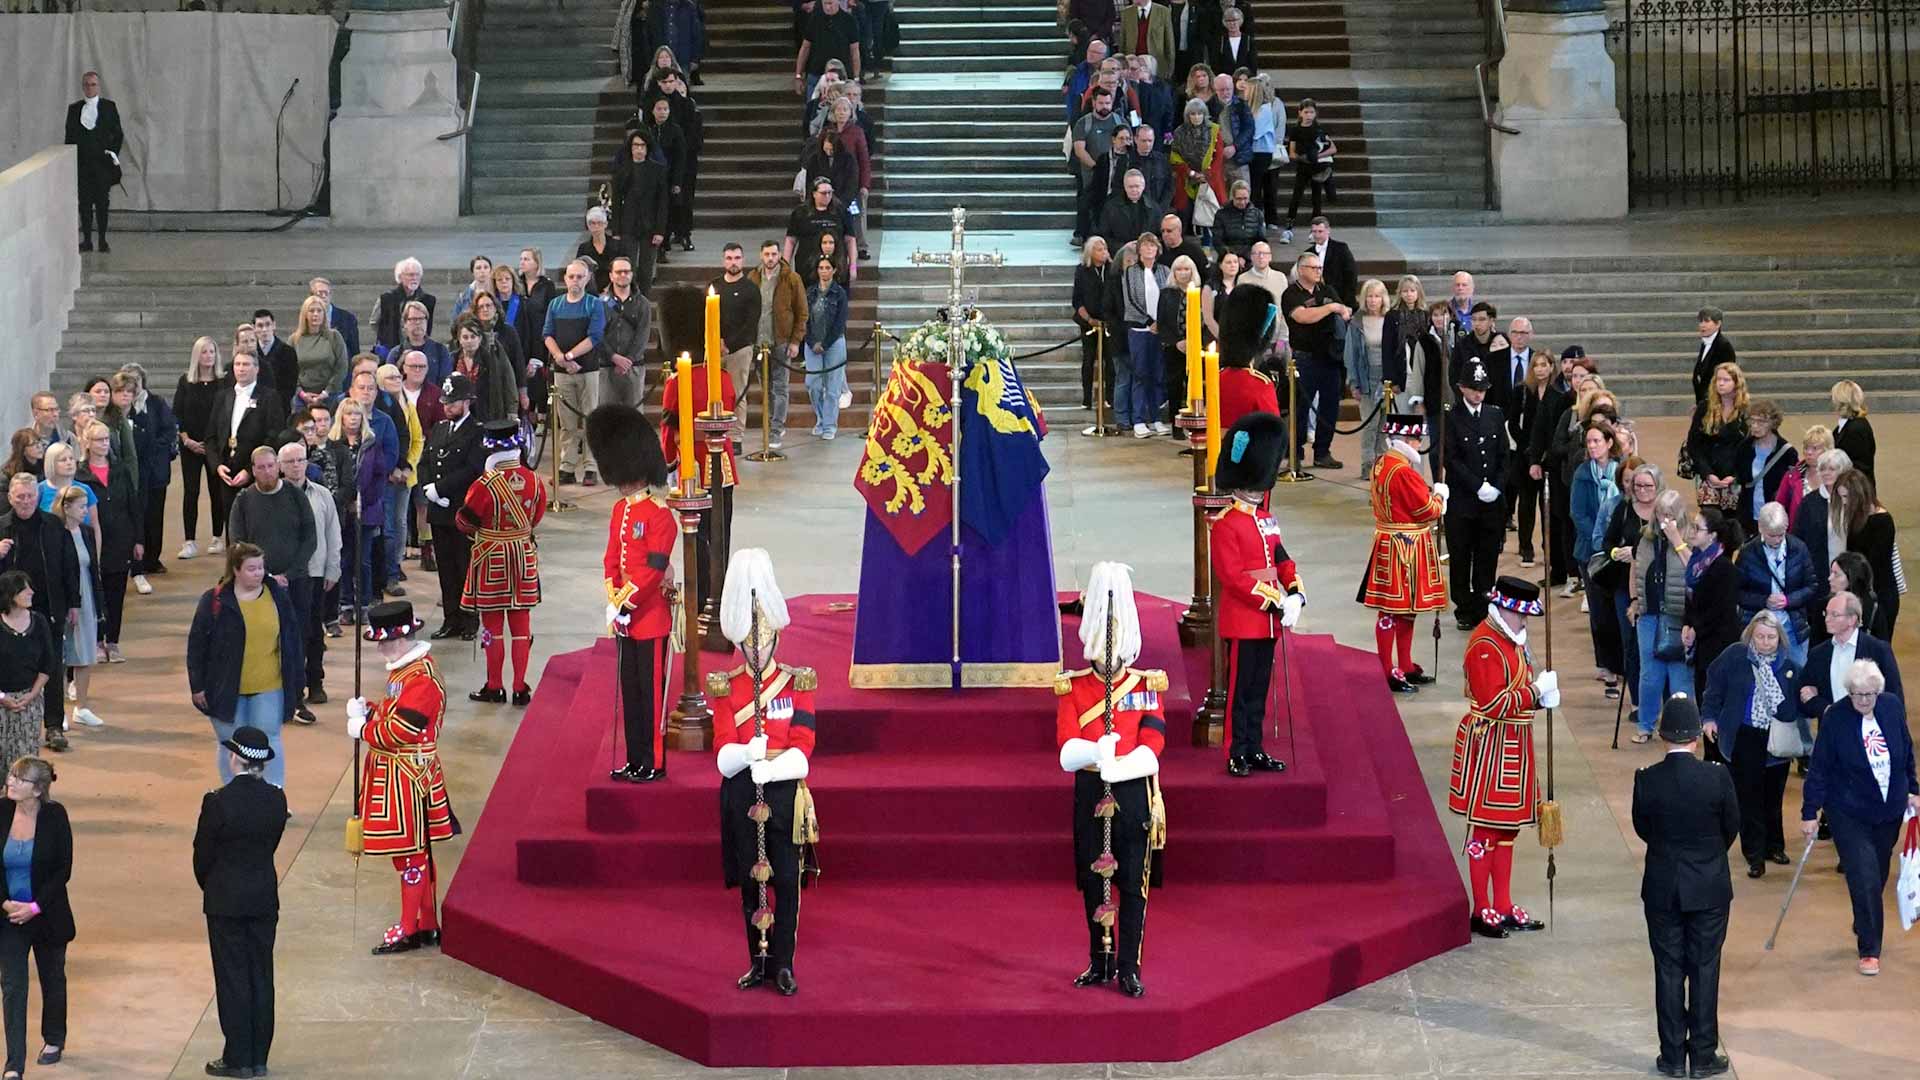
<point>1247,323</point>
<point>682,310</point>
<point>625,447</point>
<point>1250,453</point>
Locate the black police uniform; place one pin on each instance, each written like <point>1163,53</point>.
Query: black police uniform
<point>1476,453</point>
<point>1687,812</point>
<point>240,826</point>
<point>452,460</point>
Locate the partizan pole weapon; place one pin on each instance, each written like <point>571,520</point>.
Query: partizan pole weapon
<point>1552,828</point>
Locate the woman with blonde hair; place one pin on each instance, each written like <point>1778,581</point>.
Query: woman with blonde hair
<point>1366,367</point>
<point>1089,312</point>
<point>1804,477</point>
<point>1658,608</point>
<point>1851,430</point>
<point>193,398</point>
<point>1171,324</point>
<point>117,517</point>
<point>1269,123</point>
<point>1716,438</point>
<point>81,645</point>
<point>320,352</point>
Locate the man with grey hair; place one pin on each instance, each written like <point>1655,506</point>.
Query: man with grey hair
<point>576,326</point>
<point>407,275</point>
<point>1776,575</point>
<point>321,573</point>
<point>1823,677</point>
<point>1129,216</point>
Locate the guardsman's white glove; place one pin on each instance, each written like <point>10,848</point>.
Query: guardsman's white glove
<point>356,717</point>
<point>1546,690</point>
<point>757,748</point>
<point>1445,494</point>
<point>1487,493</point>
<point>1105,747</point>
<point>1290,609</point>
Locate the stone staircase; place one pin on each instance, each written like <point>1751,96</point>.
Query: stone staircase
<point>1296,34</point>
<point>1800,323</point>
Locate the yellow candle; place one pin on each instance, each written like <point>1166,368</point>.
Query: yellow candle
<point>689,467</point>
<point>713,351</point>
<point>1212,404</point>
<point>1194,389</point>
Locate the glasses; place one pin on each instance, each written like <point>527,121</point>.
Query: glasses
<point>416,318</point>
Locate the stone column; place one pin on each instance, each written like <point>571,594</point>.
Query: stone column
<point>399,90</point>
<point>1569,162</point>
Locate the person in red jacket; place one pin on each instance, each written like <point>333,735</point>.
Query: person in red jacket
<point>1491,779</point>
<point>641,533</point>
<point>503,577</point>
<point>1259,586</point>
<point>1402,578</point>
<point>763,732</point>
<point>1112,731</point>
<point>1244,334</point>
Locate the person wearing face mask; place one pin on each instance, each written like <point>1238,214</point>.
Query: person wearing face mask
<point>1402,579</point>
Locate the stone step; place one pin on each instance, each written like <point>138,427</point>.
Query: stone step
<point>1005,63</point>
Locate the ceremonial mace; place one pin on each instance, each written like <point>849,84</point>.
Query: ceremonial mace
<point>1106,864</point>
<point>1552,827</point>
<point>758,813</point>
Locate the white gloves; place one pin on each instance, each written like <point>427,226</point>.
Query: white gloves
<point>1138,763</point>
<point>613,614</point>
<point>789,765</point>
<point>1105,748</point>
<point>1546,690</point>
<point>1290,609</point>
<point>1077,754</point>
<point>732,758</point>
<point>356,717</point>
<point>757,748</point>
<point>1445,493</point>
<point>432,492</point>
<point>1487,493</point>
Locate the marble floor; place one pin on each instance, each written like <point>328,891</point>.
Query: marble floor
<point>1573,1003</point>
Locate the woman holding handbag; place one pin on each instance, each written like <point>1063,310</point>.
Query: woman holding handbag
<point>1717,439</point>
<point>1658,608</point>
<point>1749,709</point>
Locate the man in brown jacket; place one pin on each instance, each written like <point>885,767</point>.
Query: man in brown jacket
<point>783,326</point>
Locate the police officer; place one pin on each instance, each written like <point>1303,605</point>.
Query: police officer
<point>1687,812</point>
<point>452,461</point>
<point>1476,456</point>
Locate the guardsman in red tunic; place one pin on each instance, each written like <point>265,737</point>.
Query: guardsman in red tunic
<point>1492,780</point>
<point>641,533</point>
<point>729,473</point>
<point>1245,391</point>
<point>403,808</point>
<point>763,729</point>
<point>503,578</point>
<point>1403,569</point>
<point>1112,732</point>
<point>1260,592</point>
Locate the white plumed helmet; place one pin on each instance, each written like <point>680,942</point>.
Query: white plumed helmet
<point>1115,579</point>
<point>749,581</point>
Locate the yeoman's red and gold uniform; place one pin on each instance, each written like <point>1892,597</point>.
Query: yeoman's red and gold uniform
<point>500,511</point>
<point>1403,569</point>
<point>1492,779</point>
<point>403,793</point>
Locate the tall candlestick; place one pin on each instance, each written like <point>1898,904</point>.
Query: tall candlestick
<point>1195,392</point>
<point>689,464</point>
<point>1212,403</point>
<point>713,351</point>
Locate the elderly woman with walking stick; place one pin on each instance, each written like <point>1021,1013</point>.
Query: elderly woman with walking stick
<point>1863,777</point>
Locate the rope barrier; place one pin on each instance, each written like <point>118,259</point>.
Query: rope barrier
<point>1362,425</point>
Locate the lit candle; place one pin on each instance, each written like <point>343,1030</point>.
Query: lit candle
<point>1194,389</point>
<point>689,467</point>
<point>713,351</point>
<point>1212,404</point>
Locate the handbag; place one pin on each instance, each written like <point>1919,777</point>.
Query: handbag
<point>1784,741</point>
<point>1668,645</point>
<point>1205,206</point>
<point>1720,498</point>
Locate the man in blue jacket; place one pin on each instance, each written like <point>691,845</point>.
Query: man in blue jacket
<point>1821,679</point>
<point>1776,574</point>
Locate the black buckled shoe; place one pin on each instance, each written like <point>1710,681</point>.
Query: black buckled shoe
<point>1486,928</point>
<point>754,977</point>
<point>492,695</point>
<point>1130,984</point>
<point>630,774</point>
<point>423,938</point>
<point>1756,869</point>
<point>1418,676</point>
<point>1519,921</point>
<point>783,982</point>
<point>446,631</point>
<point>1098,971</point>
<point>649,775</point>
<point>1398,683</point>
<point>395,942</point>
<point>523,696</point>
<point>1264,763</point>
<point>1238,767</point>
<point>1713,1066</point>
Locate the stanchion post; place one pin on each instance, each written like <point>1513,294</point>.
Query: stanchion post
<point>690,725</point>
<point>1293,473</point>
<point>1101,429</point>
<point>766,451</point>
<point>555,504</point>
<point>1196,623</point>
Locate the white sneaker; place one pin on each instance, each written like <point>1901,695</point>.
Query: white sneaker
<point>1088,430</point>
<point>1142,431</point>
<point>1567,590</point>
<point>773,443</point>
<point>73,692</point>
<point>87,717</point>
<point>1161,427</point>
<point>219,545</point>
<point>846,398</point>
<point>141,585</point>
<point>1286,236</point>
<point>829,433</point>
<point>188,550</point>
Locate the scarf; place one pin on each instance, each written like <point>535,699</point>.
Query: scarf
<point>1767,694</point>
<point>1192,145</point>
<point>1698,562</point>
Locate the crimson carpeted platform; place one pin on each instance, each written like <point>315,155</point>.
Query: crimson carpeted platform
<point>946,928</point>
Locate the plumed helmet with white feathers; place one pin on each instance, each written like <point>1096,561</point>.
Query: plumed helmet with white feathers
<point>1110,583</point>
<point>750,582</point>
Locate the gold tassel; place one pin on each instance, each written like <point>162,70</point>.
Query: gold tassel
<point>356,837</point>
<point>1553,830</point>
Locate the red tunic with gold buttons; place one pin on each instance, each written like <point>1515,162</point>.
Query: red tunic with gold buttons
<point>670,427</point>
<point>1137,709</point>
<point>1491,779</point>
<point>1253,569</point>
<point>641,532</point>
<point>1403,570</point>
<point>1244,391</point>
<point>500,511</point>
<point>403,793</point>
<point>788,697</point>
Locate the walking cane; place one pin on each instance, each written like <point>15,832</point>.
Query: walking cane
<point>1619,710</point>
<point>1801,869</point>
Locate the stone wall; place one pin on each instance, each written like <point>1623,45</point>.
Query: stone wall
<point>39,244</point>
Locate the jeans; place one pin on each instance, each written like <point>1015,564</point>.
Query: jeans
<point>740,365</point>
<point>1121,391</point>
<point>51,959</point>
<point>776,389</point>
<point>1144,389</point>
<point>823,386</point>
<point>1370,439</point>
<point>1320,397</point>
<point>357,573</point>
<point>398,501</point>
<point>1658,678</point>
<point>260,710</point>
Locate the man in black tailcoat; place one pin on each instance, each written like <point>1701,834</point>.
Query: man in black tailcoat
<point>93,129</point>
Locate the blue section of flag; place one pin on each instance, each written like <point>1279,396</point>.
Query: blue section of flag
<point>1001,465</point>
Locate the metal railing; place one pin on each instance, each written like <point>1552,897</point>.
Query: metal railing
<point>1493,16</point>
